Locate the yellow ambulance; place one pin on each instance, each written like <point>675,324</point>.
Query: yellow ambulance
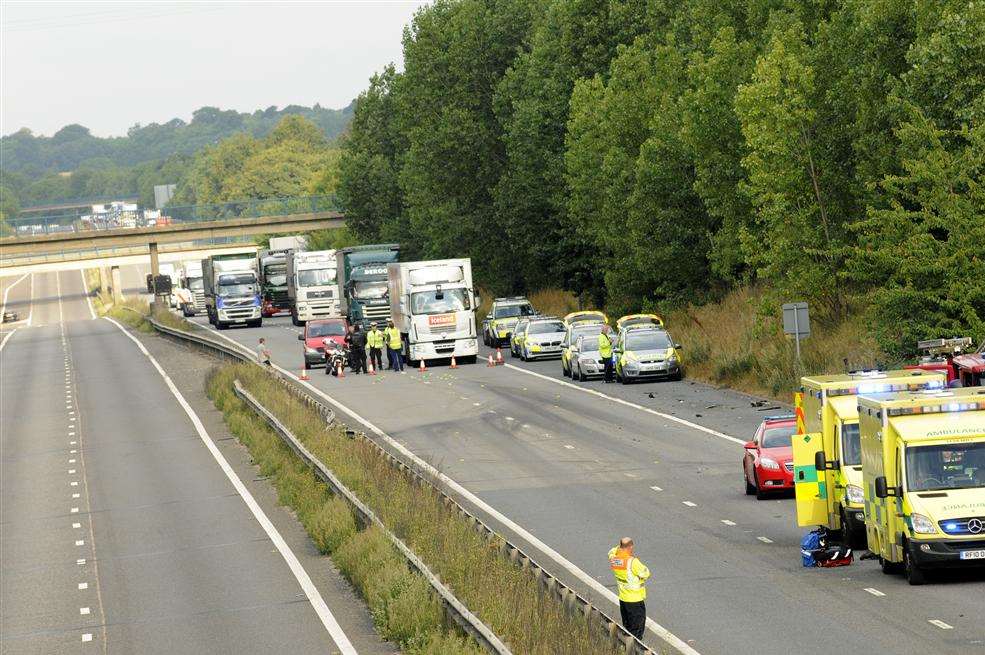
<point>833,496</point>
<point>923,467</point>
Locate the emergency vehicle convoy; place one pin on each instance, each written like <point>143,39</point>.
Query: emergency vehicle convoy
<point>830,411</point>
<point>894,461</point>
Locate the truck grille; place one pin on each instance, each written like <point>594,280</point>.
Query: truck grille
<point>199,300</point>
<point>973,525</point>
<point>320,294</point>
<point>383,311</point>
<point>246,312</point>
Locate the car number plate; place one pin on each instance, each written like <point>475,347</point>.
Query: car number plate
<point>973,554</point>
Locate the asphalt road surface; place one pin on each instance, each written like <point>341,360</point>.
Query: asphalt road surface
<point>580,470</point>
<point>121,530</point>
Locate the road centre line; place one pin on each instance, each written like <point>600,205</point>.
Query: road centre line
<point>663,633</point>
<point>656,488</point>
<point>689,503</point>
<point>728,523</point>
<point>765,540</point>
<point>311,591</point>
<point>669,417</point>
<point>940,624</point>
<point>874,591</point>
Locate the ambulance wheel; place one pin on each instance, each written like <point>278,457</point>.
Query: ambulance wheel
<point>913,573</point>
<point>750,488</point>
<point>889,568</point>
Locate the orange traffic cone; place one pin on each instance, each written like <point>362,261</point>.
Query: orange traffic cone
<point>304,374</point>
<point>499,355</point>
<point>370,370</point>
<point>453,364</point>
<point>491,362</point>
<point>340,371</point>
<point>423,367</point>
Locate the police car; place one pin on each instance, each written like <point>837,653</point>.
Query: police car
<point>500,322</point>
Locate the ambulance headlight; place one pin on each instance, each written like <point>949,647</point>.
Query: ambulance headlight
<point>855,494</point>
<point>922,525</point>
<point>768,463</point>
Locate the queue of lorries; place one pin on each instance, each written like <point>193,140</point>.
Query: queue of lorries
<point>891,460</point>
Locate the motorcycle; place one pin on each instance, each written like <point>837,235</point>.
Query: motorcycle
<point>336,357</point>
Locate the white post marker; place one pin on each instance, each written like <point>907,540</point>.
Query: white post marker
<point>309,588</point>
<point>663,633</point>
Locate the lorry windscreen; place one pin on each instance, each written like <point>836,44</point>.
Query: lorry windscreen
<point>427,302</point>
<point>316,277</point>
<point>511,311</point>
<point>947,466</point>
<point>369,290</point>
<point>851,444</point>
<point>275,274</point>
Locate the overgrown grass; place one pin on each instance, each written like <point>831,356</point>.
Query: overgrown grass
<point>739,342</point>
<point>553,302</point>
<point>507,599</point>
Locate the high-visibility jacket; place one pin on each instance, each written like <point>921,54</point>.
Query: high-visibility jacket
<point>374,339</point>
<point>631,574</point>
<point>393,338</point>
<point>605,346</point>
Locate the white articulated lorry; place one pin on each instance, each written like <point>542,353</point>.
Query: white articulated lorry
<point>312,285</point>
<point>433,305</point>
<point>232,290</point>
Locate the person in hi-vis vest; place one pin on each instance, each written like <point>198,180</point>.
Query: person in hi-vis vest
<point>631,576</point>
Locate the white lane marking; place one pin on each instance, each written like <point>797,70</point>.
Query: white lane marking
<point>727,522</point>
<point>71,471</point>
<point>73,451</point>
<point>630,475</point>
<point>3,307</point>
<point>80,542</point>
<point>7,338</point>
<point>75,510</point>
<point>72,443</point>
<point>669,417</point>
<point>765,540</point>
<point>83,585</point>
<point>656,488</point>
<point>569,446</point>
<point>940,624</point>
<point>80,562</point>
<point>85,290</point>
<point>87,636</point>
<point>663,633</point>
<point>84,611</point>
<point>310,590</point>
<point>689,503</point>
<point>58,290</point>
<point>874,591</point>
<point>30,311</point>
<point>76,525</point>
<point>74,483</point>
<point>510,418</point>
<point>71,461</point>
<point>75,495</point>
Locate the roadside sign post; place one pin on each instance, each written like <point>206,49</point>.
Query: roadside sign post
<point>796,322</point>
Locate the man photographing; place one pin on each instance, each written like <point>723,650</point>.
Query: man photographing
<point>631,576</point>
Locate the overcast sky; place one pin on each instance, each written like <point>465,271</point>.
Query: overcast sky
<point>110,65</point>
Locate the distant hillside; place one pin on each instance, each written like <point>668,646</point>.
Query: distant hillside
<point>73,146</point>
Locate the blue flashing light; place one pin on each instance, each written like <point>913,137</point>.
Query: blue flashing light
<point>950,527</point>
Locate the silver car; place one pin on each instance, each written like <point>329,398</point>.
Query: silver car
<point>586,362</point>
<point>646,353</point>
<point>542,339</point>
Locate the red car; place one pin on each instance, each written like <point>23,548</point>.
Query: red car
<point>314,335</point>
<point>767,465</point>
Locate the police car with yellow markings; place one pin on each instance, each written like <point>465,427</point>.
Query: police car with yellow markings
<point>539,338</point>
<point>500,322</point>
<point>646,352</point>
<point>587,329</point>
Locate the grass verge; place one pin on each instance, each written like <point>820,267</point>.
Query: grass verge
<point>507,599</point>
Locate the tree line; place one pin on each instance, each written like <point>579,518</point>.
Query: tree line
<point>654,152</point>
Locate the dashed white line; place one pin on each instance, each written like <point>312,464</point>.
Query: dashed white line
<point>940,624</point>
<point>656,488</point>
<point>71,471</point>
<point>765,540</point>
<point>874,591</point>
<point>727,522</point>
<point>71,461</point>
<point>83,585</point>
<point>689,503</point>
<point>630,475</point>
<point>76,525</point>
<point>74,483</point>
<point>75,510</point>
<point>87,636</point>
<point>80,562</point>
<point>80,542</point>
<point>75,495</point>
<point>84,611</point>
<point>569,446</point>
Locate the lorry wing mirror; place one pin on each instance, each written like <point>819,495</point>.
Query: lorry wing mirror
<point>300,336</point>
<point>820,463</point>
<point>882,489</point>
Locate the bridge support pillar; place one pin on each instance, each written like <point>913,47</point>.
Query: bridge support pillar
<point>117,284</point>
<point>104,280</point>
<point>160,302</point>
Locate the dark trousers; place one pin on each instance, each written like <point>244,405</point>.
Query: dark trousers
<point>358,360</point>
<point>609,369</point>
<point>396,359</point>
<point>376,358</point>
<point>633,617</point>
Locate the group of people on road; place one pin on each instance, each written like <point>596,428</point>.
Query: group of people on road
<point>375,340</point>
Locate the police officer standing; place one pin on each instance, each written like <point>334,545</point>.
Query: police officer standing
<point>605,352</point>
<point>395,346</point>
<point>631,576</point>
<point>357,349</point>
<point>374,339</point>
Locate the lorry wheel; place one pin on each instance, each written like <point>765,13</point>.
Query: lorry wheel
<point>471,359</point>
<point>914,574</point>
<point>219,325</point>
<point>255,324</point>
<point>294,319</point>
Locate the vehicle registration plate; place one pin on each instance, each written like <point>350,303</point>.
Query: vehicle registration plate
<point>973,554</point>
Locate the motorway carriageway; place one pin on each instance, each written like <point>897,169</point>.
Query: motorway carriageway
<point>125,529</point>
<point>579,470</point>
